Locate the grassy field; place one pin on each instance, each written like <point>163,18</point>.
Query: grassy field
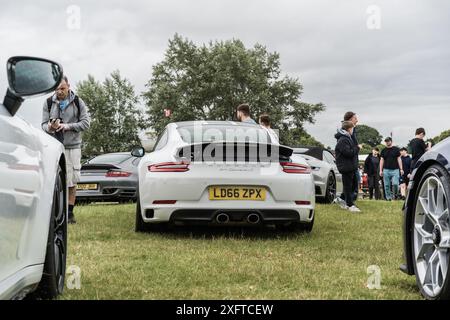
<point>329,263</point>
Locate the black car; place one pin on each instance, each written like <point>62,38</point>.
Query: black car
<point>109,177</point>
<point>426,227</point>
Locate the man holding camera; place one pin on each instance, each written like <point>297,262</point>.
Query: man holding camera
<point>66,116</point>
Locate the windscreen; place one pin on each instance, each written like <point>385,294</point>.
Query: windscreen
<point>227,133</point>
<point>110,159</point>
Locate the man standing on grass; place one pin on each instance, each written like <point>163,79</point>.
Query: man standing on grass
<point>347,163</point>
<point>418,146</point>
<point>372,169</point>
<point>66,116</point>
<point>353,118</point>
<point>391,167</point>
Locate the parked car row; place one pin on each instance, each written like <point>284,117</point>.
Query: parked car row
<point>199,172</point>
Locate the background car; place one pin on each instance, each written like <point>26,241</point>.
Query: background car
<point>426,223</point>
<point>33,192</point>
<point>214,172</point>
<point>327,179</point>
<point>109,177</point>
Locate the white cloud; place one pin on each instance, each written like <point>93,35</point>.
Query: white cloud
<point>395,78</point>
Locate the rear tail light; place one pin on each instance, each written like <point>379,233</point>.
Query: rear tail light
<point>164,201</point>
<point>169,167</point>
<point>117,174</point>
<point>303,203</point>
<point>290,167</point>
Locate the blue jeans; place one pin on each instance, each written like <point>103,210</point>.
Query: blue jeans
<point>391,176</point>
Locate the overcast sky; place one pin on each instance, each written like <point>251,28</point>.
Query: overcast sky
<point>395,74</point>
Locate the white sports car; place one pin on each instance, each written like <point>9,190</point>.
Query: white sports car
<point>33,224</point>
<point>327,178</point>
<point>223,172</point>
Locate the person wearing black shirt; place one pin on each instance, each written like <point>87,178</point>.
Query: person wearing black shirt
<point>418,146</point>
<point>404,179</point>
<point>372,169</point>
<point>391,167</point>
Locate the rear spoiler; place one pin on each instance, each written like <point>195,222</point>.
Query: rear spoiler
<point>234,151</point>
<point>98,166</point>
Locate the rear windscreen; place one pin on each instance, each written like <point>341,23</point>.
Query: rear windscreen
<point>229,133</point>
<point>110,159</point>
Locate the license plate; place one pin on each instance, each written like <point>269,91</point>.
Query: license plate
<point>237,193</point>
<point>87,186</point>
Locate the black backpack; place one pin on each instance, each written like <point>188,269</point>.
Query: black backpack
<point>60,135</point>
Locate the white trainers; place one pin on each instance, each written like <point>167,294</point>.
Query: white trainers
<point>354,209</point>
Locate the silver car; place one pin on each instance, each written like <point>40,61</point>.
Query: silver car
<point>109,177</point>
<point>327,179</point>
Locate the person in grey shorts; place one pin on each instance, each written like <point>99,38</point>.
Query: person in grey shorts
<point>66,116</point>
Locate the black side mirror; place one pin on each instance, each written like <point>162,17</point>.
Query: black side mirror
<point>30,76</point>
<point>138,152</point>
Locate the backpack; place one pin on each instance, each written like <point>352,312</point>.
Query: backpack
<point>76,100</point>
<point>60,135</point>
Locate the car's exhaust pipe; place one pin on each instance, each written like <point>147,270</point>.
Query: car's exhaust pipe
<point>222,218</point>
<point>253,218</point>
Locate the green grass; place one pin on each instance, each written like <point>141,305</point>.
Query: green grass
<point>329,263</point>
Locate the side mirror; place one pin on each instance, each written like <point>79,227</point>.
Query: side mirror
<point>138,152</point>
<point>29,76</point>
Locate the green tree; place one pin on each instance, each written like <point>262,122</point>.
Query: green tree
<point>368,136</point>
<point>207,83</point>
<point>297,137</point>
<point>115,116</point>
<point>442,136</point>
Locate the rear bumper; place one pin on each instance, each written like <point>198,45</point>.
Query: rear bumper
<point>151,214</point>
<point>235,216</point>
<point>109,195</point>
<point>109,191</point>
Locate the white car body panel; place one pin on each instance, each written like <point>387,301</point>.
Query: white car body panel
<point>190,188</point>
<point>29,159</point>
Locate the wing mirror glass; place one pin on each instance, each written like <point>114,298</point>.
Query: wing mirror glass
<point>29,76</point>
<point>138,152</point>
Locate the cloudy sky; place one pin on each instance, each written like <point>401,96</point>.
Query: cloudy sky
<point>389,61</point>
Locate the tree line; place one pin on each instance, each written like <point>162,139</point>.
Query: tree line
<point>203,82</point>
<point>196,82</point>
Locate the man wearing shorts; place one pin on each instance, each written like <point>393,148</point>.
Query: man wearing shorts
<point>66,116</point>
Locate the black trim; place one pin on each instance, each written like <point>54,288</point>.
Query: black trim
<point>236,215</point>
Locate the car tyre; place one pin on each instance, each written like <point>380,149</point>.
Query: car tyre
<point>430,234</point>
<point>330,192</point>
<point>53,278</point>
<point>140,225</point>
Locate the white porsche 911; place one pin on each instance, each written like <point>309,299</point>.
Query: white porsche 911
<point>33,204</point>
<point>222,173</point>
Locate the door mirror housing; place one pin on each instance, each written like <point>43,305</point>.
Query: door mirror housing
<point>138,152</point>
<point>30,76</point>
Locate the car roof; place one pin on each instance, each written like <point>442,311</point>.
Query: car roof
<point>182,124</point>
<point>104,154</point>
